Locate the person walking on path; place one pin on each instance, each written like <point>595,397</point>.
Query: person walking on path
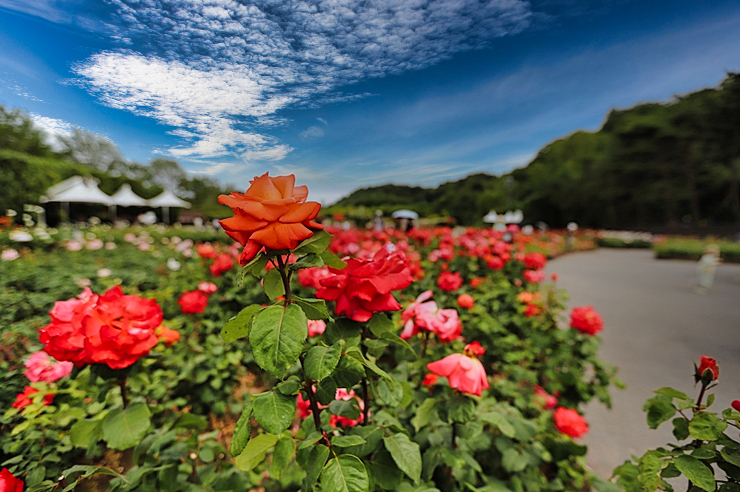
<point>706,269</point>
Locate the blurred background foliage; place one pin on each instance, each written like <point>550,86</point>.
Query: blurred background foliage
<point>656,164</point>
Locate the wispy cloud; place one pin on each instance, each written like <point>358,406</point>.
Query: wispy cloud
<point>313,132</point>
<point>220,70</point>
<point>53,128</point>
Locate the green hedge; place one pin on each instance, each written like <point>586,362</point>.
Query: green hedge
<point>693,249</point>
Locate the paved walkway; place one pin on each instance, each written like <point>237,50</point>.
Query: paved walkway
<point>655,327</point>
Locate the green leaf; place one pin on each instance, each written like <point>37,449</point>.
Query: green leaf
<point>84,432</point>
<point>343,329</point>
<point>499,421</point>
<point>88,471</point>
<point>405,453</point>
<point>274,411</point>
<point>320,361</point>
<point>380,323</point>
<point>658,410</point>
<point>672,393</point>
<point>326,391</point>
<point>706,426</point>
<point>282,455</point>
<point>345,408</point>
<point>274,286</point>
<point>314,308</point>
<point>316,462</point>
<point>389,394</point>
<point>396,340</point>
<point>356,354</point>
<point>703,453</point>
<point>649,466</point>
<point>289,387</point>
<point>257,260</point>
<point>424,414</point>
<point>242,431</point>
<point>255,451</point>
<point>347,441</point>
<point>277,337</point>
<point>344,473</point>
<point>371,434</point>
<point>332,260</point>
<point>191,421</point>
<point>314,244</point>
<point>348,372</point>
<point>307,261</point>
<point>238,326</point>
<point>36,476</point>
<point>731,455</point>
<point>680,428</point>
<point>123,429</point>
<point>710,400</point>
<point>387,474</point>
<point>700,474</point>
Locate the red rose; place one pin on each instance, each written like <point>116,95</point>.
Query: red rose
<point>311,277</point>
<point>535,261</point>
<point>8,483</point>
<point>22,400</point>
<point>708,364</point>
<point>476,282</point>
<point>193,302</point>
<point>736,405</point>
<point>364,287</point>
<point>586,320</point>
<point>166,335</point>
<point>120,329</point>
<point>273,213</point>
<point>465,301</point>
<point>544,398</point>
<point>113,329</point>
<point>222,264</point>
<point>430,379</point>
<point>569,422</point>
<point>448,281</point>
<point>206,250</point>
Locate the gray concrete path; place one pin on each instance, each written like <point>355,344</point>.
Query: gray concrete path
<point>655,327</point>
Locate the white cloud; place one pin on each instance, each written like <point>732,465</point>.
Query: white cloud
<point>323,121</point>
<point>217,69</point>
<point>313,132</point>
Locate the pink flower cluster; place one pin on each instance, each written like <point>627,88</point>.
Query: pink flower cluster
<point>41,367</point>
<point>423,314</point>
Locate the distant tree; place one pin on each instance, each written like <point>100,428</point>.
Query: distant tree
<point>18,133</point>
<point>91,149</point>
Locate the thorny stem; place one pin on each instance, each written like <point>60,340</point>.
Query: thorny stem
<point>366,397</point>
<point>701,397</point>
<point>313,403</point>
<point>286,278</point>
<point>426,340</point>
<point>454,435</point>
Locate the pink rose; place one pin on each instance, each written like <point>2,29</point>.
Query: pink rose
<point>463,371</point>
<point>41,367</point>
<point>316,327</point>
<point>207,288</point>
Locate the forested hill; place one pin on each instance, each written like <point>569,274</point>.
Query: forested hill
<point>653,164</point>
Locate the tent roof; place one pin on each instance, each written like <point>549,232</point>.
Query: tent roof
<point>168,199</point>
<point>77,190</point>
<point>405,214</point>
<point>125,197</point>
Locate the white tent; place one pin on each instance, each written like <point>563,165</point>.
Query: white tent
<point>75,190</point>
<point>167,199</point>
<point>125,197</point>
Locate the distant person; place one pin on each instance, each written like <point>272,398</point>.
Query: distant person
<point>378,221</point>
<point>706,268</point>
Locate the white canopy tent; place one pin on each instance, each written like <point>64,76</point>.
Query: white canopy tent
<point>125,197</point>
<point>165,200</point>
<point>76,190</point>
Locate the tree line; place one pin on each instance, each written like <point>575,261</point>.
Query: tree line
<point>655,164</point>
<point>29,165</point>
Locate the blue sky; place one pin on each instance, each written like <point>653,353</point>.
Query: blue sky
<point>347,93</point>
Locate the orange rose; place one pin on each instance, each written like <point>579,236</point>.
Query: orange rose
<point>273,213</point>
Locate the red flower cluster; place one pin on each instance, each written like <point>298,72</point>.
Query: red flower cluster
<point>449,281</point>
<point>586,320</point>
<point>8,483</point>
<point>22,400</point>
<point>466,301</point>
<point>535,261</point>
<point>532,301</point>
<point>221,265</point>
<point>569,422</point>
<point>311,277</point>
<point>364,287</point>
<point>193,302</point>
<point>463,371</point>
<point>112,329</point>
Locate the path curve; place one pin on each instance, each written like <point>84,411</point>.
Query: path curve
<point>655,327</point>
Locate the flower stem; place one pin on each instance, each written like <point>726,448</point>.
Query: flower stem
<point>312,401</point>
<point>282,268</point>
<point>124,395</point>
<point>701,397</point>
<point>426,341</point>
